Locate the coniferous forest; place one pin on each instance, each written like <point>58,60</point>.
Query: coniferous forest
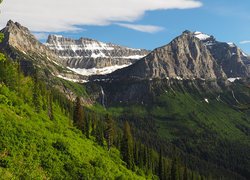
<point>120,125</point>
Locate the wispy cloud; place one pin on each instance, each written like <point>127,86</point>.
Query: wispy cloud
<point>141,28</point>
<point>65,15</point>
<point>41,36</point>
<point>245,42</point>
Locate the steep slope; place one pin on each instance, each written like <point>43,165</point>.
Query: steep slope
<point>178,97</point>
<point>189,56</point>
<point>33,146</point>
<point>233,60</point>
<point>183,58</point>
<point>209,128</point>
<point>20,45</point>
<point>87,56</point>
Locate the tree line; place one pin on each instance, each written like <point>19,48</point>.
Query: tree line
<point>137,156</point>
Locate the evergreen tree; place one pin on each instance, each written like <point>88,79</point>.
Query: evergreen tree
<point>109,132</point>
<point>127,146</point>
<point>136,153</point>
<point>36,94</point>
<point>87,129</point>
<point>141,156</point>
<point>174,170</point>
<point>50,107</point>
<point>93,125</point>
<point>185,173</point>
<point>99,134</point>
<point>160,166</point>
<point>166,169</point>
<point>78,118</point>
<point>145,157</point>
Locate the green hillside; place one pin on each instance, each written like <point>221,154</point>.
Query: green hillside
<point>209,130</point>
<point>34,147</point>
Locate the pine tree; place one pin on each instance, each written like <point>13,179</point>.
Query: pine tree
<point>93,125</point>
<point>127,146</point>
<point>160,167</point>
<point>109,132</point>
<point>87,129</point>
<point>36,94</point>
<point>185,173</point>
<point>50,106</point>
<point>78,118</point>
<point>174,170</point>
<point>166,169</point>
<point>99,134</point>
<point>141,156</point>
<point>145,157</point>
<point>136,153</point>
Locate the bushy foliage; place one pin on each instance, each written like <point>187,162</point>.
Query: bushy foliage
<point>32,146</point>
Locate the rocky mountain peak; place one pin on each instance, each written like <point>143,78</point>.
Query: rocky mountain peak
<point>185,57</point>
<point>20,43</point>
<point>15,25</point>
<point>87,56</point>
<point>192,55</point>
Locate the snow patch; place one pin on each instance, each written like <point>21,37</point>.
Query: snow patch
<point>179,78</point>
<point>98,71</point>
<point>231,44</point>
<point>130,57</point>
<point>244,54</point>
<point>58,36</point>
<point>72,80</point>
<point>201,36</point>
<point>233,79</point>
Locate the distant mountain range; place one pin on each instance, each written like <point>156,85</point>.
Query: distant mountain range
<point>178,97</point>
<point>191,55</point>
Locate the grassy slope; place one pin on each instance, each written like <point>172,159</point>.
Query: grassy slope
<point>34,147</point>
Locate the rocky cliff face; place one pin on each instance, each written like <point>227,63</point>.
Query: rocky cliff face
<point>20,44</point>
<point>233,60</point>
<point>192,55</point>
<point>21,39</point>
<point>87,53</point>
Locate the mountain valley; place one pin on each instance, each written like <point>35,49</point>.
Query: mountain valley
<point>187,104</point>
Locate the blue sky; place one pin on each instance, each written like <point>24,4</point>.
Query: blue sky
<point>144,25</point>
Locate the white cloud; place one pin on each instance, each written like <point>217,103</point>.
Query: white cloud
<point>64,15</point>
<point>142,28</point>
<point>245,42</point>
<point>41,36</point>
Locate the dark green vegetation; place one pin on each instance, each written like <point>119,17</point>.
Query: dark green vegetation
<point>155,129</point>
<point>38,139</point>
<point>209,131</point>
<point>44,135</point>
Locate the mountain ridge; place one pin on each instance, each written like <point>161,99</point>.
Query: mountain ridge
<point>189,56</point>
<point>85,53</point>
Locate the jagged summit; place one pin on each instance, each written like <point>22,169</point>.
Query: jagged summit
<point>11,24</point>
<point>20,43</point>
<point>191,55</point>
<point>93,55</point>
<point>185,57</point>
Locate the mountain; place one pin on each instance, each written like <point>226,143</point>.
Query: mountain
<point>39,140</point>
<point>181,116</point>
<point>233,60</point>
<point>87,57</point>
<point>178,98</point>
<point>192,55</point>
<point>20,44</point>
